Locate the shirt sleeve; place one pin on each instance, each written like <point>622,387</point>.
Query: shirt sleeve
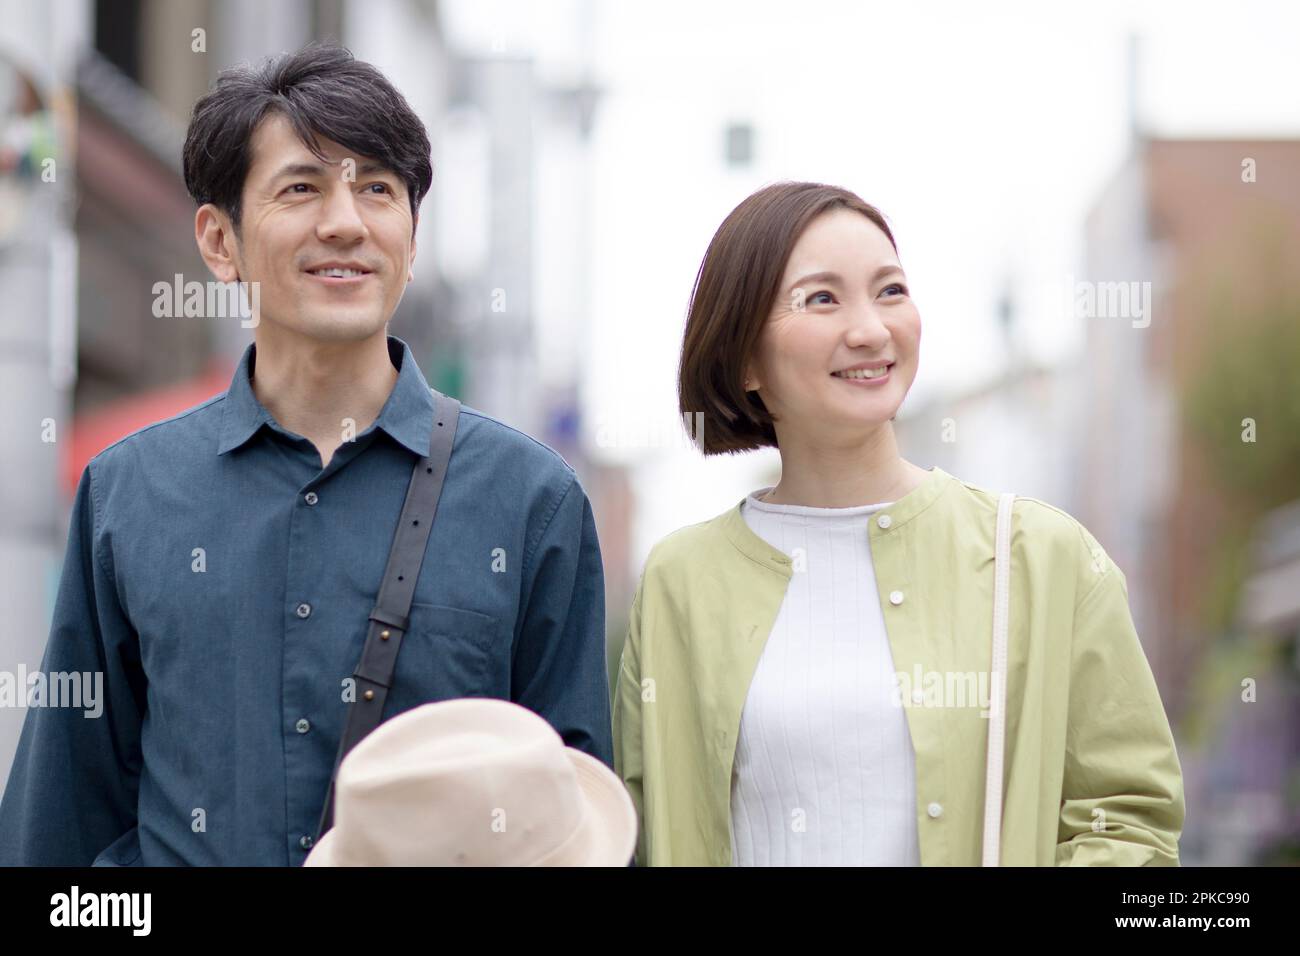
<point>1122,793</point>
<point>560,669</point>
<point>72,790</point>
<point>627,723</point>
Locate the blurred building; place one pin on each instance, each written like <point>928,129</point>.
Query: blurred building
<point>1012,434</point>
<point>38,254</point>
<point>1191,217</point>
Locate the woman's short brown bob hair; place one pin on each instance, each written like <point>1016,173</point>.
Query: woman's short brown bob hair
<point>734,293</point>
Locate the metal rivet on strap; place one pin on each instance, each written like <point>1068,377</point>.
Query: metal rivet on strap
<point>370,695</point>
<point>384,634</point>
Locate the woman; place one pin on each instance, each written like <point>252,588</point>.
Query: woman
<point>806,678</point>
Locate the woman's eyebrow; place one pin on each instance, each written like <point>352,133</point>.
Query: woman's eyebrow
<point>835,276</point>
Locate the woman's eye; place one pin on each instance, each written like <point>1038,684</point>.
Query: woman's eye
<point>817,295</point>
<point>901,288</point>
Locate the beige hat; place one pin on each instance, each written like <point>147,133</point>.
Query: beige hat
<point>475,782</point>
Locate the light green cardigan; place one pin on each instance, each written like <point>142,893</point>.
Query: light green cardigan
<point>1091,775</point>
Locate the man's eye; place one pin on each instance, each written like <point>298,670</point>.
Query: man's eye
<point>383,186</point>
<point>296,185</point>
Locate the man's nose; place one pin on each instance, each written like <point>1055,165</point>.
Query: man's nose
<point>340,220</point>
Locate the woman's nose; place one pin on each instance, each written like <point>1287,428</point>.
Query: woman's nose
<point>866,329</point>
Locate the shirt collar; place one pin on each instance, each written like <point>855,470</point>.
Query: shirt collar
<point>752,545</point>
<point>407,415</point>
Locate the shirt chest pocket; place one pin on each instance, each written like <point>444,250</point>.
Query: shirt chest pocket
<point>449,652</point>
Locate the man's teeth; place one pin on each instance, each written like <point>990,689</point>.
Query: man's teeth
<point>337,273</point>
<point>863,373</point>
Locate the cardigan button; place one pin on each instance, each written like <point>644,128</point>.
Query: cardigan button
<point>884,521</point>
<point>895,597</point>
<point>935,810</point>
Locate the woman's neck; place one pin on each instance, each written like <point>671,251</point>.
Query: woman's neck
<point>822,474</point>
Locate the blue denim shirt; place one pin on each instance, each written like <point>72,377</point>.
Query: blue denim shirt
<point>225,607</point>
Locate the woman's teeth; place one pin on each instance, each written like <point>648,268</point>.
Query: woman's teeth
<point>865,372</point>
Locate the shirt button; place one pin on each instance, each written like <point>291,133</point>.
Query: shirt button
<point>304,610</point>
<point>303,725</point>
<point>935,809</point>
<point>895,597</point>
<point>884,521</point>
<point>310,498</point>
<point>306,842</point>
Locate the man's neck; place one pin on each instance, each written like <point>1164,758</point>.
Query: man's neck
<point>314,388</point>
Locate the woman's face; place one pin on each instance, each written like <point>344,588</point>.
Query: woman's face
<point>843,302</point>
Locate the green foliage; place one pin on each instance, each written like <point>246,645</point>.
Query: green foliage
<point>1251,374</point>
<point>1216,686</point>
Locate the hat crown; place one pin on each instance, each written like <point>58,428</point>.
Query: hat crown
<point>472,782</point>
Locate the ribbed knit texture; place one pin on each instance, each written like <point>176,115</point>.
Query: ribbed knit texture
<point>825,771</point>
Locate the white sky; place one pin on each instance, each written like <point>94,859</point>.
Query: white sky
<point>983,131</point>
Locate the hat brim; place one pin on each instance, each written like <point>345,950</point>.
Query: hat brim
<point>610,818</point>
<point>322,854</point>
<point>611,815</point>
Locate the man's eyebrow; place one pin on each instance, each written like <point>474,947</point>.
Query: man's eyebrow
<point>299,169</point>
<point>835,276</point>
<point>316,169</point>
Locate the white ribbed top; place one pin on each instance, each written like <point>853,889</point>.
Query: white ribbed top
<point>825,772</point>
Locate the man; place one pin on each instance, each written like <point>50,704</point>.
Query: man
<point>222,564</point>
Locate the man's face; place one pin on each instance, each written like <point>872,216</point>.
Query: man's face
<point>300,216</point>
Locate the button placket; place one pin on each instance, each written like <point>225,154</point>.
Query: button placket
<point>298,697</point>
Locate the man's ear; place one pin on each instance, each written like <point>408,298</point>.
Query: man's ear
<point>410,267</point>
<point>215,236</point>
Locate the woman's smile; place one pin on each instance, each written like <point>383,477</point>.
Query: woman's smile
<point>864,378</point>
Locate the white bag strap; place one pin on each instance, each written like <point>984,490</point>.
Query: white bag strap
<point>998,683</point>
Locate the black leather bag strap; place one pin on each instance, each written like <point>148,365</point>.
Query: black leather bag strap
<point>389,621</point>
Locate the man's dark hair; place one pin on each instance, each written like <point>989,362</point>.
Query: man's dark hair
<point>323,91</point>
